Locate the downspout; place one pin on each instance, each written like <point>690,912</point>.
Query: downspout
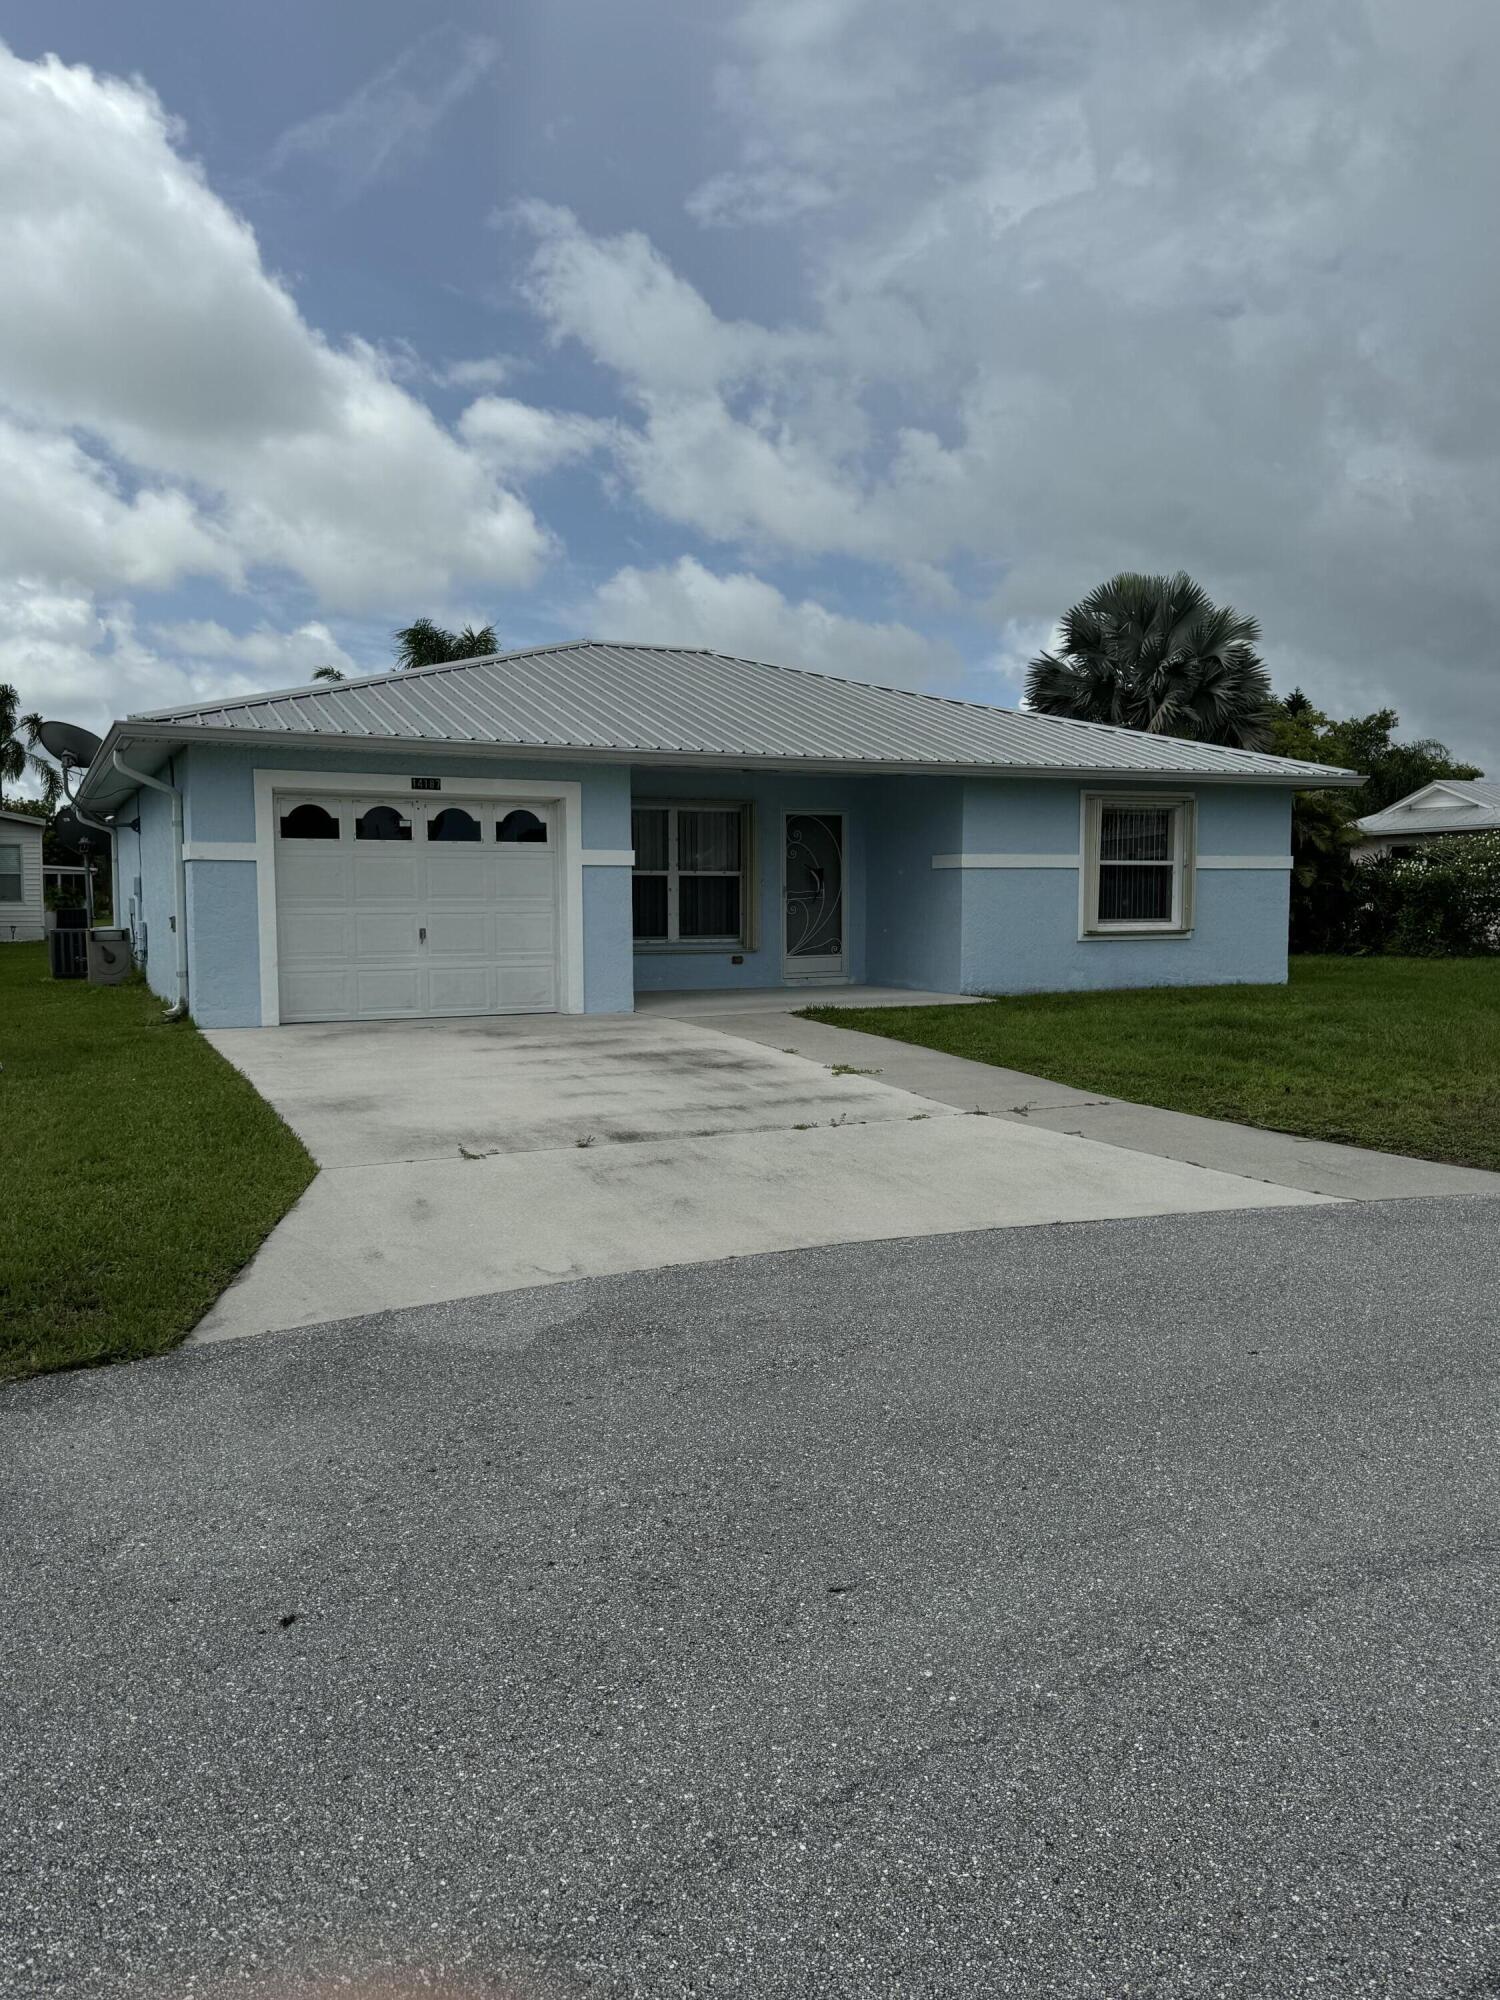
<point>178,1009</point>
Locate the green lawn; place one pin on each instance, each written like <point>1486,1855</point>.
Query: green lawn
<point>138,1171</point>
<point>1402,1054</point>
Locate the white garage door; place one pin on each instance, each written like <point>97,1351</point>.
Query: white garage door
<point>389,907</point>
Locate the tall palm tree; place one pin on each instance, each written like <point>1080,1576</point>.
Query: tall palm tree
<point>423,644</point>
<point>1156,653</point>
<point>18,757</point>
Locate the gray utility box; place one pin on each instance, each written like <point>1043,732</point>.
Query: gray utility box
<point>109,957</point>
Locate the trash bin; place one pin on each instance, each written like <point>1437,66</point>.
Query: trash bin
<point>109,956</point>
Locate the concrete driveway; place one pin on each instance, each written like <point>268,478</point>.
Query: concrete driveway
<point>1100,1611</point>
<point>474,1156</point>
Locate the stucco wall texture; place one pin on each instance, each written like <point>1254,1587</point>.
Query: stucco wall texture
<point>994,928</point>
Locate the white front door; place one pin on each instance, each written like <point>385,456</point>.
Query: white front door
<point>814,944</point>
<point>391,907</point>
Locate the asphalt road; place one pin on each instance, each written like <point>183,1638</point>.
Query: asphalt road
<point>1101,1610</point>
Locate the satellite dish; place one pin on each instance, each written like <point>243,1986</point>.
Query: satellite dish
<point>68,743</point>
<point>69,831</point>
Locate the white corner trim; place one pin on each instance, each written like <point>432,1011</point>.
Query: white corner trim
<point>219,850</point>
<point>1005,860</point>
<point>608,857</point>
<point>567,796</point>
<point>1244,860</point>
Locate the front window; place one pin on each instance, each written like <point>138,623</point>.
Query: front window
<point>689,883</point>
<point>1138,872</point>
<point>10,871</point>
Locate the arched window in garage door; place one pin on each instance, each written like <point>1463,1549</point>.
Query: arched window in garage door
<point>309,822</point>
<point>521,825</point>
<point>453,823</point>
<point>382,823</point>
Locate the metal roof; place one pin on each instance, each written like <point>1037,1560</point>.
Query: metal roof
<point>1481,813</point>
<point>668,703</point>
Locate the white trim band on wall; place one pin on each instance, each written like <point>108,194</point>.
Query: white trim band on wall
<point>1244,860</point>
<point>608,857</point>
<point>218,850</point>
<point>1005,860</point>
<point>1072,861</point>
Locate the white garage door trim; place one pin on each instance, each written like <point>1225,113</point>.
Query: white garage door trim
<point>565,798</point>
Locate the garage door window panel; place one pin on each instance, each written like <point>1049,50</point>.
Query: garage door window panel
<point>453,823</point>
<point>382,823</point>
<point>522,825</point>
<point>309,821</point>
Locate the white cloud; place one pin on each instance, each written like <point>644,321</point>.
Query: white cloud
<point>81,660</point>
<point>523,441</point>
<point>287,657</point>
<point>1189,288</point>
<point>486,371</point>
<point>758,196</point>
<point>172,387</point>
<point>685,604</point>
<point>387,122</point>
<point>63,513</point>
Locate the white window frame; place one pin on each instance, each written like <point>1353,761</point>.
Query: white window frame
<point>742,940</point>
<point>18,848</point>
<point>1183,859</point>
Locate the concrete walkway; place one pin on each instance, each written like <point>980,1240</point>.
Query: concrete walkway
<point>474,1156</point>
<point>1345,1173</point>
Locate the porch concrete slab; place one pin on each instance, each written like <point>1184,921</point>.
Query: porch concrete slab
<point>1344,1173</point>
<point>366,1238</point>
<point>377,1092</point>
<point>788,999</point>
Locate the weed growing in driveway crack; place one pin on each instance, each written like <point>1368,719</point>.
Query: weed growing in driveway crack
<point>851,1069</point>
<point>586,1140</point>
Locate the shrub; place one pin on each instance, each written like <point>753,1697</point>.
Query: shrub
<point>1443,901</point>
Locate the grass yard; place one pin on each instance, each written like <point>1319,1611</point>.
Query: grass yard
<point>1401,1054</point>
<point>138,1171</point>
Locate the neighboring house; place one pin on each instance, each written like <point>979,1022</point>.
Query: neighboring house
<point>560,829</point>
<point>21,902</point>
<point>1447,805</point>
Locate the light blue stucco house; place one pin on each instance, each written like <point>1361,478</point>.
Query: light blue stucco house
<point>561,829</point>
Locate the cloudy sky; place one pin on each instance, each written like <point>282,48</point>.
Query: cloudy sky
<point>848,333</point>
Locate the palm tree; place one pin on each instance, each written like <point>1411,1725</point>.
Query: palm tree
<point>423,644</point>
<point>329,674</point>
<point>18,758</point>
<point>1156,653</point>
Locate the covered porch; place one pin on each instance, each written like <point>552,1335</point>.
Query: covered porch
<point>769,887</point>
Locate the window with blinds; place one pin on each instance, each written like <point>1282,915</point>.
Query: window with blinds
<point>689,884</point>
<point>1137,865</point>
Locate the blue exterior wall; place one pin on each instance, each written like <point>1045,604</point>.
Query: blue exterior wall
<point>974,930</point>
<point>223,927</point>
<point>771,794</point>
<point>147,857</point>
<point>915,909</point>
<point>1020,925</point>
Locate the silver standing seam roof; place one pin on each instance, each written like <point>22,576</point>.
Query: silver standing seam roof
<point>1480,816</point>
<point>669,703</point>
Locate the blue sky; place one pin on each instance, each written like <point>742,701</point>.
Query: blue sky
<point>837,332</point>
